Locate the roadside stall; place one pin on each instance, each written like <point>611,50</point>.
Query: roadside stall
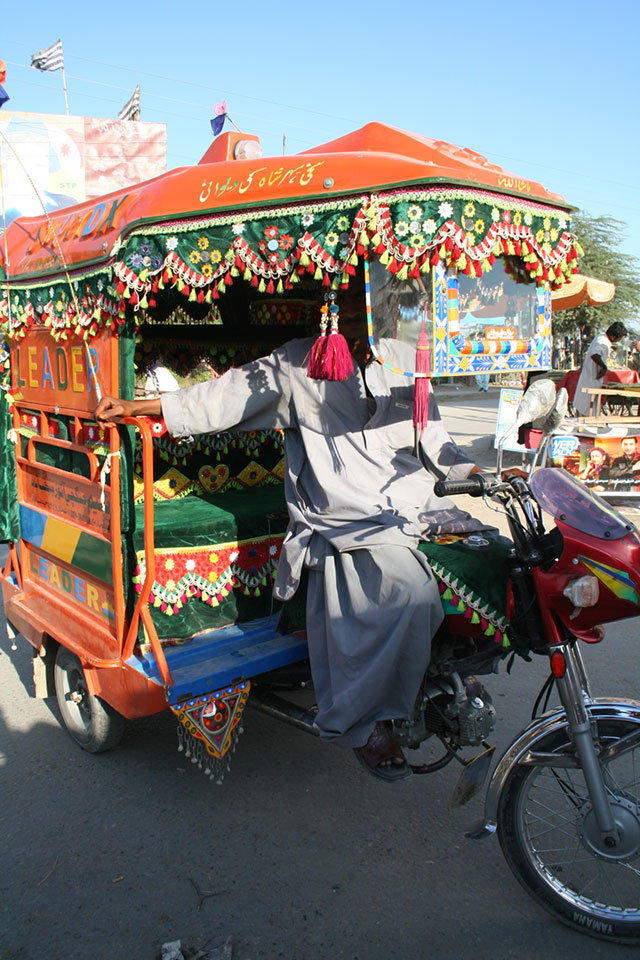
<point>600,449</point>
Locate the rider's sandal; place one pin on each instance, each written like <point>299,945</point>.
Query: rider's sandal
<point>380,747</point>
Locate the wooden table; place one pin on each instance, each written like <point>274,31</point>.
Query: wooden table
<point>631,391</point>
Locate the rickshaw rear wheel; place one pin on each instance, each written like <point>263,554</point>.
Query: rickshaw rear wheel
<point>91,722</point>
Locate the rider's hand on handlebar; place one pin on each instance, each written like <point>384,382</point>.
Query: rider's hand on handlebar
<point>514,472</point>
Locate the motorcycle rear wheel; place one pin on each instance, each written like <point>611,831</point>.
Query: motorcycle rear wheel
<point>550,840</point>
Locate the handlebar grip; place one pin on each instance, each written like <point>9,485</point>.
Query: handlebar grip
<point>473,486</point>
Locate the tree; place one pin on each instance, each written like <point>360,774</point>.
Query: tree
<point>599,237</point>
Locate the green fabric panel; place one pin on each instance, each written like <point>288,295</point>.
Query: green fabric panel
<point>126,379</point>
<point>211,519</point>
<point>196,616</point>
<point>215,518</point>
<point>485,570</point>
<point>94,557</point>
<point>9,510</point>
<point>128,438</point>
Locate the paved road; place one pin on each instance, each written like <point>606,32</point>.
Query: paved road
<point>309,858</point>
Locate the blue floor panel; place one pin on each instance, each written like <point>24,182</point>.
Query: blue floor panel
<point>216,659</point>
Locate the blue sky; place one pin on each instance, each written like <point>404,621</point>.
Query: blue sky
<point>549,92</point>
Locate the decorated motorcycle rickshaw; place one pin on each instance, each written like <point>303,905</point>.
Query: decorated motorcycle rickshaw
<point>140,567</point>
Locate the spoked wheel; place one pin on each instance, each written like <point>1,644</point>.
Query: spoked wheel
<point>92,723</point>
<point>551,841</point>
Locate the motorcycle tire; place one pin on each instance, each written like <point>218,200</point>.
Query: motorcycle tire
<point>550,840</point>
<point>91,722</point>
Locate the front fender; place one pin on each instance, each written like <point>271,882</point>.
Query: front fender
<point>524,746</point>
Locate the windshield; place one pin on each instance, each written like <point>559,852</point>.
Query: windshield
<point>570,502</point>
<point>480,317</point>
<point>399,308</point>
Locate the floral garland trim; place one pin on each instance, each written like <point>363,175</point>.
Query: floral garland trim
<point>471,605</point>
<point>409,230</point>
<point>210,573</point>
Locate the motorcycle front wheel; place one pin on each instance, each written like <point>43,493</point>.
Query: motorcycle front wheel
<point>551,841</point>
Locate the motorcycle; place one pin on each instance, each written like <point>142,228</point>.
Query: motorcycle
<point>564,798</point>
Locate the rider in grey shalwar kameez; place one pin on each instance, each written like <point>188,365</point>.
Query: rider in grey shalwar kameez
<point>359,502</point>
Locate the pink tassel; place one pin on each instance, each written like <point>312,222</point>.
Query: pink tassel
<point>421,388</point>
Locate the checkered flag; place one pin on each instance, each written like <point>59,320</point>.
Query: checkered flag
<point>131,109</point>
<point>49,59</point>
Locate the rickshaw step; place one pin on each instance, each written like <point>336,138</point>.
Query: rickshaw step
<point>221,657</point>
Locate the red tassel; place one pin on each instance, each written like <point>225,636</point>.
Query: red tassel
<point>421,388</point>
<point>330,357</point>
<point>314,368</point>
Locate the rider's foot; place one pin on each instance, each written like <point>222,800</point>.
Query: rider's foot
<point>382,756</point>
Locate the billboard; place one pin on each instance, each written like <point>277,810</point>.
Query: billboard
<point>608,465</point>
<point>52,161</point>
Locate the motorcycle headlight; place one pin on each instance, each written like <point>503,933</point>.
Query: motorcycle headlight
<point>583,592</point>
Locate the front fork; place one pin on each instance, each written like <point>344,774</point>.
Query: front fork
<point>526,749</point>
<point>573,688</point>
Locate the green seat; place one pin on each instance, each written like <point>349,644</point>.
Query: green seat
<point>216,518</point>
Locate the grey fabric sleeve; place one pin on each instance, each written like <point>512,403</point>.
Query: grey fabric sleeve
<point>439,453</point>
<point>256,396</point>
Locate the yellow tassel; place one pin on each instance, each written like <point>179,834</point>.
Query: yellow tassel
<point>385,258</point>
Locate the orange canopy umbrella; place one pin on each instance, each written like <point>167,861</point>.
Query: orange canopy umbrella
<point>581,289</point>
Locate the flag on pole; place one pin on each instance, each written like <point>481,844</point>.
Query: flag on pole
<point>49,59</point>
<point>131,109</point>
<point>217,123</point>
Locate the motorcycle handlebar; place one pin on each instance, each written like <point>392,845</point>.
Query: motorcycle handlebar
<point>474,486</point>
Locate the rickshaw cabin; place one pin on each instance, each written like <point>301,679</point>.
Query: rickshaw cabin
<point>137,543</point>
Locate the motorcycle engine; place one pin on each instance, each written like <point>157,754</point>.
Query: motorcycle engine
<point>463,714</point>
<point>471,720</point>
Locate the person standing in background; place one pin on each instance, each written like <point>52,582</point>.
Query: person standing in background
<point>595,365</point>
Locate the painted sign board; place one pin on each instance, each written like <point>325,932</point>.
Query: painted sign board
<point>63,373</point>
